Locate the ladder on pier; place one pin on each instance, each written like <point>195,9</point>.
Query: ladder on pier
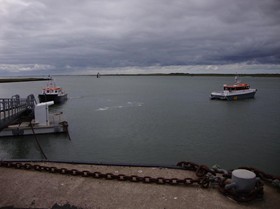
<point>11,109</point>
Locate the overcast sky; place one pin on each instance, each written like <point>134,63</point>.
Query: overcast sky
<point>86,36</point>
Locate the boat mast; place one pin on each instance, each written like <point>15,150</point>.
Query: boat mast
<point>51,82</point>
<point>236,79</point>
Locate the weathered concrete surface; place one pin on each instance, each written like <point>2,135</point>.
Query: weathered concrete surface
<point>33,189</point>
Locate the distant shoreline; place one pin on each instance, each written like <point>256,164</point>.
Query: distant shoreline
<point>28,79</point>
<point>179,74</point>
<point>192,74</point>
<point>11,80</point>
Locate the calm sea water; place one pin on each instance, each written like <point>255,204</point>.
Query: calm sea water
<point>157,120</point>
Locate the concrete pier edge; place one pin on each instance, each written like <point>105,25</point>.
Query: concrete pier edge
<point>30,189</point>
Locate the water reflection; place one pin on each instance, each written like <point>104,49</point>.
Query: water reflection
<point>25,147</point>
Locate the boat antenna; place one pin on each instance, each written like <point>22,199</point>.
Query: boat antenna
<point>236,79</point>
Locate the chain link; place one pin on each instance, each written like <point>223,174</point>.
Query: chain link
<point>256,193</point>
<point>205,177</point>
<point>209,176</point>
<point>203,182</point>
<point>264,176</point>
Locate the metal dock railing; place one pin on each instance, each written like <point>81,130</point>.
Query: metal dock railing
<point>12,108</point>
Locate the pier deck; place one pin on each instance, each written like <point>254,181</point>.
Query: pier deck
<point>34,189</point>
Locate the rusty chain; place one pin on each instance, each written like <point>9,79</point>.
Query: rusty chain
<point>203,170</point>
<point>203,182</point>
<point>256,193</point>
<point>206,177</point>
<point>264,176</point>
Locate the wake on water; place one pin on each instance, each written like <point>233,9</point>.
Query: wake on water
<point>127,105</point>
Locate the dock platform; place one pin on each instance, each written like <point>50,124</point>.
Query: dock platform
<point>27,128</point>
<point>38,120</point>
<point>22,188</point>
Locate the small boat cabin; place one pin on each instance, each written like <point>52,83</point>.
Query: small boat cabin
<point>52,90</point>
<point>236,87</point>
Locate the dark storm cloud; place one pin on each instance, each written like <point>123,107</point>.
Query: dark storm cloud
<point>69,34</point>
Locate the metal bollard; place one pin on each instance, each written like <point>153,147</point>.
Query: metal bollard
<point>242,181</point>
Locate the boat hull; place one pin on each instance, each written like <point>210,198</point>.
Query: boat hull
<point>52,97</point>
<point>233,96</point>
<point>241,96</point>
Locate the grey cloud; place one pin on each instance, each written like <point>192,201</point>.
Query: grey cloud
<point>123,33</point>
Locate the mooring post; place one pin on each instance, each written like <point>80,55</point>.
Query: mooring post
<point>242,180</point>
